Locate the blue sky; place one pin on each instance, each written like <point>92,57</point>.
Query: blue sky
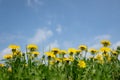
<point>58,23</point>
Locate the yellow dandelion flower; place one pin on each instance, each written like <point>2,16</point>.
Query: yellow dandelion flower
<point>8,56</point>
<point>55,50</point>
<point>99,57</point>
<point>93,51</point>
<point>101,61</point>
<point>106,55</point>
<point>72,50</point>
<point>35,53</point>
<point>50,54</point>
<point>2,65</point>
<point>81,64</point>
<point>78,51</point>
<point>105,43</point>
<point>114,52</point>
<point>67,59</point>
<point>71,58</point>
<point>105,49</point>
<point>17,53</point>
<point>109,59</point>
<point>32,47</point>
<point>13,46</point>
<point>9,69</point>
<point>63,51</point>
<point>26,65</point>
<point>52,62</point>
<point>58,59</point>
<point>83,47</point>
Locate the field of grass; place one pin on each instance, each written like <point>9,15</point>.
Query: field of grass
<point>57,64</point>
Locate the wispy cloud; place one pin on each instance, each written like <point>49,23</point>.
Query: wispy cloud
<point>40,36</point>
<point>7,37</point>
<point>34,3</point>
<point>59,28</point>
<point>67,44</point>
<point>97,39</point>
<point>100,37</point>
<point>96,46</point>
<point>52,45</point>
<point>49,22</point>
<point>115,45</point>
<point>5,51</point>
<point>96,42</point>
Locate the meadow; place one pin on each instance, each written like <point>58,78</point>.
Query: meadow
<point>57,64</point>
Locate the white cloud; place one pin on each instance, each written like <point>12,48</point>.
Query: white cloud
<point>67,44</point>
<point>96,41</point>
<point>40,36</point>
<point>102,37</point>
<point>96,46</point>
<point>5,51</point>
<point>34,3</point>
<point>115,45</point>
<point>59,28</point>
<point>49,22</point>
<point>52,45</point>
<point>7,37</point>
